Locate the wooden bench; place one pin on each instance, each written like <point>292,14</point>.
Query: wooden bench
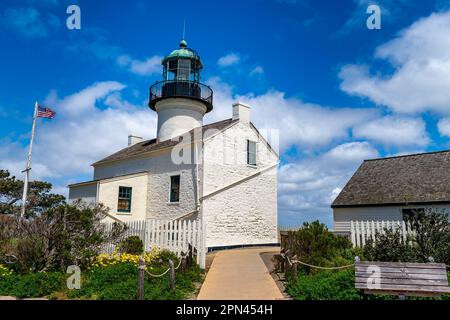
<point>401,279</point>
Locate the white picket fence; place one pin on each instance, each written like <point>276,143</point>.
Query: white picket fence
<point>171,235</point>
<point>362,231</point>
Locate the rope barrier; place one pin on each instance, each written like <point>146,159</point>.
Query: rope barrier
<point>157,275</point>
<point>160,275</point>
<point>317,267</point>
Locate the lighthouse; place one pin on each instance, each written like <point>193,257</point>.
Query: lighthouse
<point>180,99</point>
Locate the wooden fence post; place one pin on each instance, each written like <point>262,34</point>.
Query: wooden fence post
<point>286,266</point>
<point>141,278</point>
<point>294,273</point>
<point>190,258</point>
<point>172,275</point>
<point>182,262</point>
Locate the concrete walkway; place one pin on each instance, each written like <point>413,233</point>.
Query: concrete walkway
<point>240,274</point>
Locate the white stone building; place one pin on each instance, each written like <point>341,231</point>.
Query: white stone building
<point>390,188</point>
<point>223,173</point>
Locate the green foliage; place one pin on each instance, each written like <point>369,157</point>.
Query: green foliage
<point>325,285</point>
<point>389,246</point>
<point>39,197</point>
<point>314,244</point>
<point>132,245</point>
<point>62,236</point>
<point>32,285</point>
<point>431,239</point>
<point>114,282</point>
<point>119,282</point>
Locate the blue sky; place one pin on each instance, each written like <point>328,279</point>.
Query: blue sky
<point>338,92</point>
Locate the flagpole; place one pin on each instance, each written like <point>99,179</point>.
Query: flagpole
<point>28,168</point>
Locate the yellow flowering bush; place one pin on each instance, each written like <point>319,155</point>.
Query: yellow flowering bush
<point>4,271</point>
<point>104,260</point>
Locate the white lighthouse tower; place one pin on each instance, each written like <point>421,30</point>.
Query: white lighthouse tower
<point>180,99</point>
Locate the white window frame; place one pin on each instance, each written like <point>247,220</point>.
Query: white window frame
<point>170,188</point>
<point>248,153</point>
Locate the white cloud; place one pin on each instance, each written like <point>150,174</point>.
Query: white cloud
<point>397,131</point>
<point>299,123</point>
<point>444,127</point>
<point>79,103</point>
<point>420,56</point>
<point>229,60</point>
<point>258,70</point>
<point>149,66</point>
<point>88,126</point>
<point>308,187</point>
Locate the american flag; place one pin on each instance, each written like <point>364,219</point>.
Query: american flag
<point>45,113</point>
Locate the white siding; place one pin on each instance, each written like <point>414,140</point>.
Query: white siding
<point>245,213</point>
<point>85,192</point>
<point>343,216</point>
<point>109,193</point>
<point>160,168</point>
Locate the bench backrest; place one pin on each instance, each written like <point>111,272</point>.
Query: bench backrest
<point>403,279</point>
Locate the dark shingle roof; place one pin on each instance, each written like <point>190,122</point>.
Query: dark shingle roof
<point>416,178</point>
<point>154,145</point>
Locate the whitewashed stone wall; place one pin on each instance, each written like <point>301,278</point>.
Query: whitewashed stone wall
<point>160,168</point>
<point>245,213</point>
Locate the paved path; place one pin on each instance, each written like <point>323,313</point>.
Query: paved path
<point>240,274</point>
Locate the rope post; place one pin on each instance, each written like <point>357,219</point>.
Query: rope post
<point>172,275</point>
<point>183,263</point>
<point>286,266</point>
<point>190,259</point>
<point>282,262</point>
<point>294,272</point>
<point>141,278</point>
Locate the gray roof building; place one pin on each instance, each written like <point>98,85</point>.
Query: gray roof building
<point>402,180</point>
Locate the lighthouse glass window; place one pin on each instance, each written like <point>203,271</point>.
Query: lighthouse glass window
<point>184,69</point>
<point>251,153</point>
<point>174,189</point>
<point>124,202</point>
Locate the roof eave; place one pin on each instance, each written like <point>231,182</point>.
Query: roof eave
<point>410,203</point>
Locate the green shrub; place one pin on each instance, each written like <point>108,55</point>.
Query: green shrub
<point>325,285</point>
<point>32,285</point>
<point>432,234</point>
<point>431,239</point>
<point>314,244</point>
<point>59,237</point>
<point>119,282</point>
<point>31,254</point>
<point>132,245</point>
<point>389,246</point>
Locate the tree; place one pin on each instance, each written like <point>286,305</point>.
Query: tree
<point>39,196</point>
<point>66,235</point>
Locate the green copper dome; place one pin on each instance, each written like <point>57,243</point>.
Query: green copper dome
<point>183,52</point>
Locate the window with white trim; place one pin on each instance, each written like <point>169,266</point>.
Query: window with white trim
<point>251,153</point>
<point>174,189</point>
